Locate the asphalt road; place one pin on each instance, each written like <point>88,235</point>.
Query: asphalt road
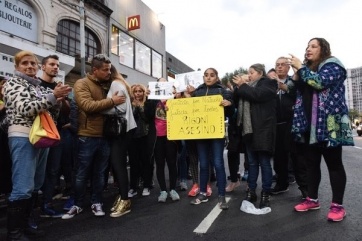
<point>150,220</point>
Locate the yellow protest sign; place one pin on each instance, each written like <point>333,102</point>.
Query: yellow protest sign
<point>195,118</point>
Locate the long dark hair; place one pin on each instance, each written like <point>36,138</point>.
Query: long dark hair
<point>325,54</point>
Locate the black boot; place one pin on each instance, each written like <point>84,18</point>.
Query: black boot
<point>265,200</point>
<point>16,220</point>
<point>32,218</point>
<point>251,196</point>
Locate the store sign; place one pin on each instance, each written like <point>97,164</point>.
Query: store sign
<point>134,22</point>
<point>7,65</point>
<point>19,18</point>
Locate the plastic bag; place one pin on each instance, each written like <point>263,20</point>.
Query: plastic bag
<point>248,207</point>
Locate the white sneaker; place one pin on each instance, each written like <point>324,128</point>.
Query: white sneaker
<point>146,192</point>
<point>132,193</point>
<point>97,209</point>
<point>174,195</point>
<point>163,196</point>
<point>74,210</point>
<point>183,186</point>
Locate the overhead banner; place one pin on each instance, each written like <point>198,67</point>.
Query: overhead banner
<point>195,118</point>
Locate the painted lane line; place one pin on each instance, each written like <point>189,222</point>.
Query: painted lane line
<point>358,147</point>
<point>210,218</point>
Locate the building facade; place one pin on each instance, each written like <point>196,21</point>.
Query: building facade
<point>129,32</point>
<point>175,66</point>
<point>354,89</point>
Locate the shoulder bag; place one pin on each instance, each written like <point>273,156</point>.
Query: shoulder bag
<point>114,125</point>
<point>44,133</point>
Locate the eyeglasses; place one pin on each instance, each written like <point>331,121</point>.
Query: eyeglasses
<point>281,64</point>
<point>101,57</point>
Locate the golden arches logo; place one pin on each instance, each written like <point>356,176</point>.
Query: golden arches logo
<point>134,22</point>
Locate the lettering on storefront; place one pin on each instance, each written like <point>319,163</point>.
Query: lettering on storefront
<point>18,18</point>
<point>6,65</point>
<point>134,22</point>
<point>195,118</point>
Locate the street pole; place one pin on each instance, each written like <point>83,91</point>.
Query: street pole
<point>82,39</point>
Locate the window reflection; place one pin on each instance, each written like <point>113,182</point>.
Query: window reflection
<point>135,54</point>
<point>156,64</point>
<point>68,39</point>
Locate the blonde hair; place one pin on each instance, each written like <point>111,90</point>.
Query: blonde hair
<point>19,55</point>
<point>115,75</point>
<point>142,87</point>
<point>2,82</point>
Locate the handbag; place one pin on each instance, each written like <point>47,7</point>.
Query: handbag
<point>44,133</point>
<point>114,125</point>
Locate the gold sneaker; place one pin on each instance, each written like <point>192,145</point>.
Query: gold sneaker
<point>116,202</point>
<point>232,186</point>
<point>123,208</point>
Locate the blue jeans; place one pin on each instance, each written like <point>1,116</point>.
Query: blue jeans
<point>93,155</point>
<point>256,159</point>
<point>28,167</point>
<point>58,155</point>
<point>211,151</point>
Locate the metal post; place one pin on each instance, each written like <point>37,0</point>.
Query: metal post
<point>82,39</point>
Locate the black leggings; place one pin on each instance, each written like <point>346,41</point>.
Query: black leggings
<point>140,165</point>
<point>337,175</point>
<point>166,151</point>
<point>119,148</point>
<point>194,160</point>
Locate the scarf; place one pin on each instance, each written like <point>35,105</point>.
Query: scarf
<point>244,115</point>
<point>34,81</point>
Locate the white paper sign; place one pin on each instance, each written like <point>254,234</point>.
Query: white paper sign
<point>194,79</point>
<point>160,90</point>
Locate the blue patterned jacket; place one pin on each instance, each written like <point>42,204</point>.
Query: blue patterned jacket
<point>328,122</point>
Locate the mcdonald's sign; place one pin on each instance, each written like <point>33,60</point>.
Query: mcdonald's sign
<point>134,22</point>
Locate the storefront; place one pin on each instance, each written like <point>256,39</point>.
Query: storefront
<point>127,31</point>
<point>21,29</point>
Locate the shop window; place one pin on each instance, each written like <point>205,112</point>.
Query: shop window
<point>68,39</point>
<point>156,64</point>
<point>143,58</point>
<point>135,54</point>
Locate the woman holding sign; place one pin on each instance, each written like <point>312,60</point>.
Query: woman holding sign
<point>215,147</point>
<point>256,115</point>
<point>165,151</point>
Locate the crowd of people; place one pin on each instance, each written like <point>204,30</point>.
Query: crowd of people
<point>293,120</point>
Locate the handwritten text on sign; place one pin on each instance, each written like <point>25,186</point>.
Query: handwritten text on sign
<point>195,118</point>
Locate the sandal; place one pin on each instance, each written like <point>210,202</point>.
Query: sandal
<point>201,198</point>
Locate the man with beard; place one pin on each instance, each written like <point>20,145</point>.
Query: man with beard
<point>93,148</point>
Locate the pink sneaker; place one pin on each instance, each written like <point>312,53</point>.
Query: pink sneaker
<point>194,190</point>
<point>307,205</point>
<point>336,213</point>
<point>208,190</point>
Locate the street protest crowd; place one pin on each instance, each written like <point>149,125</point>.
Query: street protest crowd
<point>293,120</point>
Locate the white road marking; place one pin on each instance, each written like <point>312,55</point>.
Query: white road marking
<point>210,218</point>
<point>357,147</point>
